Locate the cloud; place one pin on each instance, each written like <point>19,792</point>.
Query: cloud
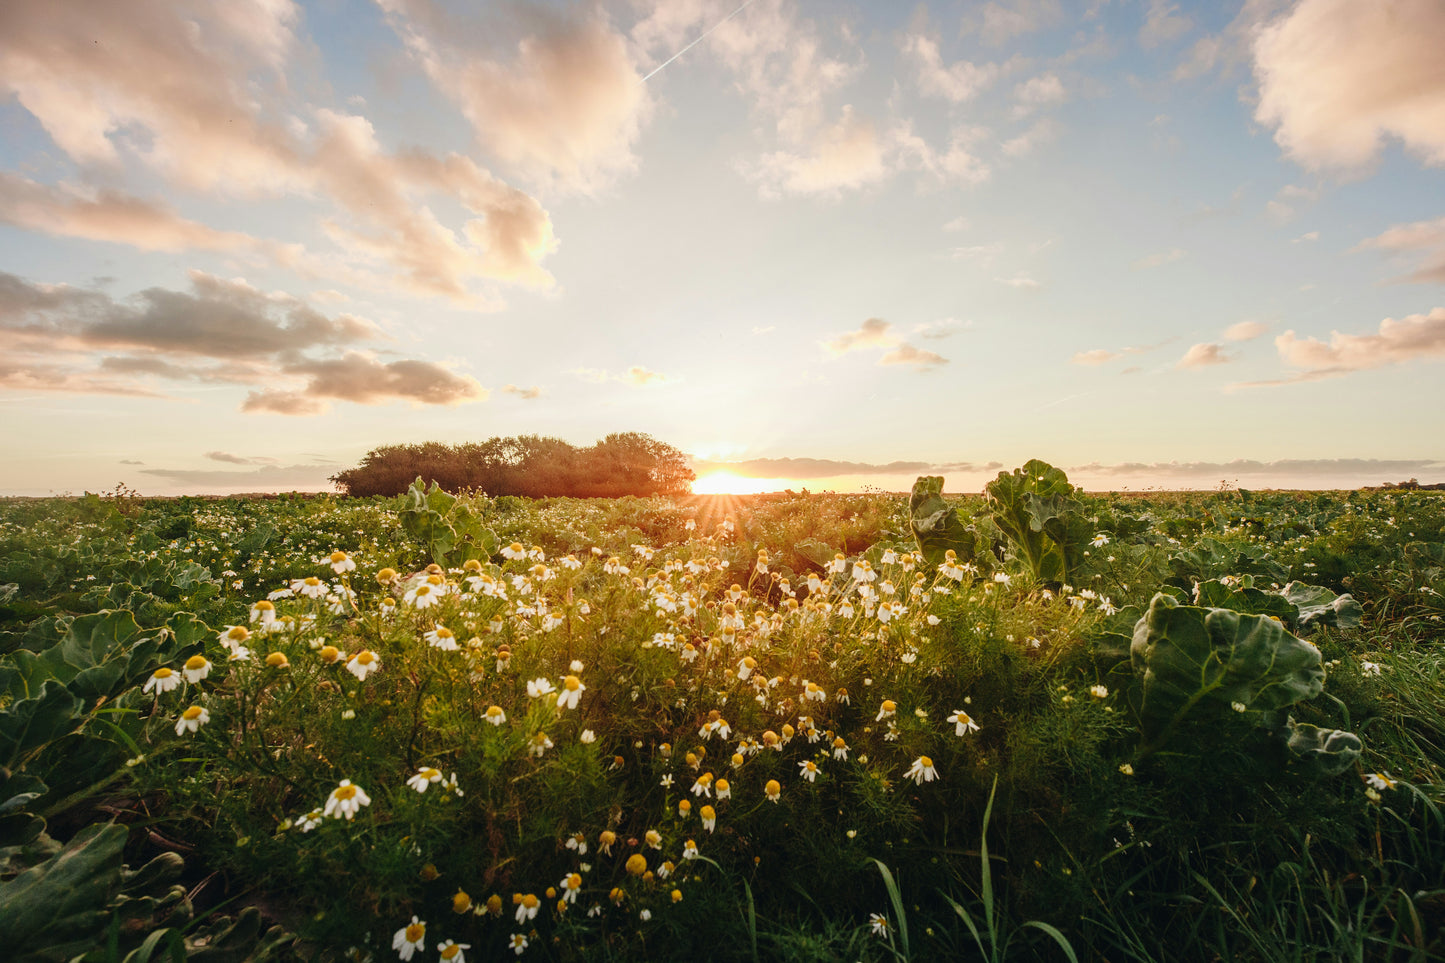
<point>566,101</point>
<point>998,22</point>
<point>131,461</point>
<point>1366,470</point>
<point>267,477</point>
<point>222,332</point>
<point>1336,77</point>
<point>1042,91</point>
<point>942,328</point>
<point>1202,356</point>
<point>227,457</point>
<point>1425,237</point>
<point>955,82</point>
<point>873,333</point>
<point>1416,337</point>
<point>761,329</point>
<point>908,354</point>
<point>812,467</point>
<point>638,375</point>
<point>525,393</point>
<point>846,155</point>
<point>1021,281</point>
<point>957,224</point>
<point>1160,259</point>
<point>1306,236</point>
<point>105,215</point>
<point>1040,133</point>
<point>1162,24</point>
<point>231,129</point>
<point>957,164</point>
<point>1096,356</point>
<point>1245,331</point>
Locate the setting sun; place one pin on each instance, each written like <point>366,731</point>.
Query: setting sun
<point>728,483</point>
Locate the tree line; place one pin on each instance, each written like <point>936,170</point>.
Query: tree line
<point>626,463</point>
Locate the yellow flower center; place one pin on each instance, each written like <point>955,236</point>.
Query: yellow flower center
<point>530,901</point>
<point>277,660</point>
<point>838,743</point>
<point>365,657</point>
<point>345,792</point>
<point>164,673</point>
<point>574,881</point>
<point>925,762</point>
<point>264,606</point>
<point>435,580</point>
<point>461,902</point>
<point>445,633</point>
<point>430,774</point>
<point>423,590</point>
<point>708,812</point>
<point>238,633</point>
<point>386,575</point>
<point>772,788</point>
<point>571,683</point>
<point>451,951</point>
<point>192,714</point>
<point>637,864</point>
<point>889,705</point>
<point>195,662</point>
<point>330,653</point>
<point>494,711</point>
<point>312,581</point>
<point>415,932</point>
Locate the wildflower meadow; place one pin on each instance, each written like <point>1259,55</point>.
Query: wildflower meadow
<point>1031,724</point>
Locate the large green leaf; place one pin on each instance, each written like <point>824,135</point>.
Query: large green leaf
<point>1186,656</point>
<point>1325,752</point>
<point>28,724</point>
<point>1035,509</point>
<point>1215,594</point>
<point>1319,606</point>
<point>57,909</point>
<point>935,524</point>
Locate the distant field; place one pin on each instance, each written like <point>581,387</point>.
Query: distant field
<point>1031,724</point>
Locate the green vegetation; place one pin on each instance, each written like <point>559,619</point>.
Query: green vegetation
<point>621,464</point>
<point>1033,724</point>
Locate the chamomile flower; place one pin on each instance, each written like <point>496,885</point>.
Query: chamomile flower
<point>963,723</point>
<point>570,887</point>
<point>192,719</point>
<point>162,680</point>
<point>495,715</point>
<point>442,638</point>
<point>1099,691</point>
<point>605,839</point>
<point>703,785</point>
<point>689,850</point>
<point>346,800</point>
<point>1100,540</point>
<point>452,952</point>
<point>518,943</point>
<point>577,842</point>
<point>709,818</point>
<point>514,551</point>
<point>773,789</point>
<point>527,906</point>
<point>363,663</point>
<point>724,790</point>
<point>840,749</point>
<point>310,820</point>
<point>887,710</point>
<point>424,596</point>
<point>263,611</point>
<point>409,939</point>
<point>1380,780</point>
<point>809,770</point>
<point>636,864</point>
<point>341,563</point>
<point>572,689</point>
<point>921,771</point>
<point>310,586</point>
<point>878,923</point>
<point>423,778</point>
<point>539,744</point>
<point>537,688</point>
<point>587,737</point>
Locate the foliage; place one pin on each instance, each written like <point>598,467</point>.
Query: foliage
<point>450,527</point>
<point>627,463</point>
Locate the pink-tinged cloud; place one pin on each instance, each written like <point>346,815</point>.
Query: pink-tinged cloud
<point>957,164</point>
<point>873,333</point>
<point>1097,356</point>
<point>1336,77</point>
<point>955,82</point>
<point>1418,337</point>
<point>844,156</point>
<point>1426,239</point>
<point>1245,331</point>
<point>638,375</point>
<point>1163,23</point>
<point>999,21</point>
<point>566,101</point>
<point>1037,135</point>
<point>366,380</point>
<point>107,215</point>
<point>1045,90</point>
<point>916,357</point>
<point>1202,356</point>
<point>1160,259</point>
<point>524,393</point>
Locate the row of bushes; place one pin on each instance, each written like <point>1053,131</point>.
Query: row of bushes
<point>627,463</point>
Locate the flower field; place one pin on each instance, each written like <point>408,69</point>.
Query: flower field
<point>1029,724</point>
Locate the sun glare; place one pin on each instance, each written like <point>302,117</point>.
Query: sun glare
<point>727,483</point>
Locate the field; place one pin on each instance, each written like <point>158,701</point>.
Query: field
<point>1029,724</point>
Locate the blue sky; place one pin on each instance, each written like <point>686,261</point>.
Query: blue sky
<point>1158,244</point>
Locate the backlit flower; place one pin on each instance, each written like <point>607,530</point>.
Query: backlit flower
<point>1381,781</point>
<point>772,790</point>
<point>572,689</point>
<point>162,680</point>
<point>653,838</point>
<point>263,611</point>
<point>703,785</point>
<point>921,771</point>
<point>878,923</point>
<point>840,749</point>
<point>571,886</point>
<point>605,839</point>
<point>278,660</point>
<point>518,943</point>
<point>495,715</point>
<point>363,663</point>
<point>724,790</point>
<point>423,778</point>
<point>196,668</point>
<point>808,769</point>
<point>709,818</point>
<point>888,709</point>
<point>192,719</point>
<point>539,744</point>
<point>409,939</point>
<point>539,687</point>
<point>452,952</point>
<point>341,563</point>
<point>689,850</point>
<point>442,638</point>
<point>346,800</point>
<point>963,722</point>
<point>527,906</point>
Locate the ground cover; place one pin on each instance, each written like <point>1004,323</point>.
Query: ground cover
<point>1031,724</point>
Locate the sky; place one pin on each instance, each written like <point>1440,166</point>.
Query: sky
<point>821,245</point>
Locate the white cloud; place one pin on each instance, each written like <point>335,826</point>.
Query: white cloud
<point>1021,281</point>
<point>1426,239</point>
<point>909,355</point>
<point>1163,23</point>
<point>1097,356</point>
<point>1041,132</point>
<point>1336,77</point>
<point>1044,90</point>
<point>1203,355</point>
<point>846,155</point>
<point>955,82</point>
<point>1413,338</point>
<point>873,333</point>
<point>999,21</point>
<point>1245,331</point>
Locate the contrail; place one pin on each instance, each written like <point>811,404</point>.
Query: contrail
<point>699,40</point>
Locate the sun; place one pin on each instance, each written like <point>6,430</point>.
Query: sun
<point>724,482</point>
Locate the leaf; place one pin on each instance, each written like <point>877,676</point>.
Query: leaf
<point>1251,601</point>
<point>1035,508</point>
<point>1319,606</point>
<point>56,910</point>
<point>1186,655</point>
<point>1325,752</point>
<point>815,552</point>
<point>28,724</point>
<point>935,524</point>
